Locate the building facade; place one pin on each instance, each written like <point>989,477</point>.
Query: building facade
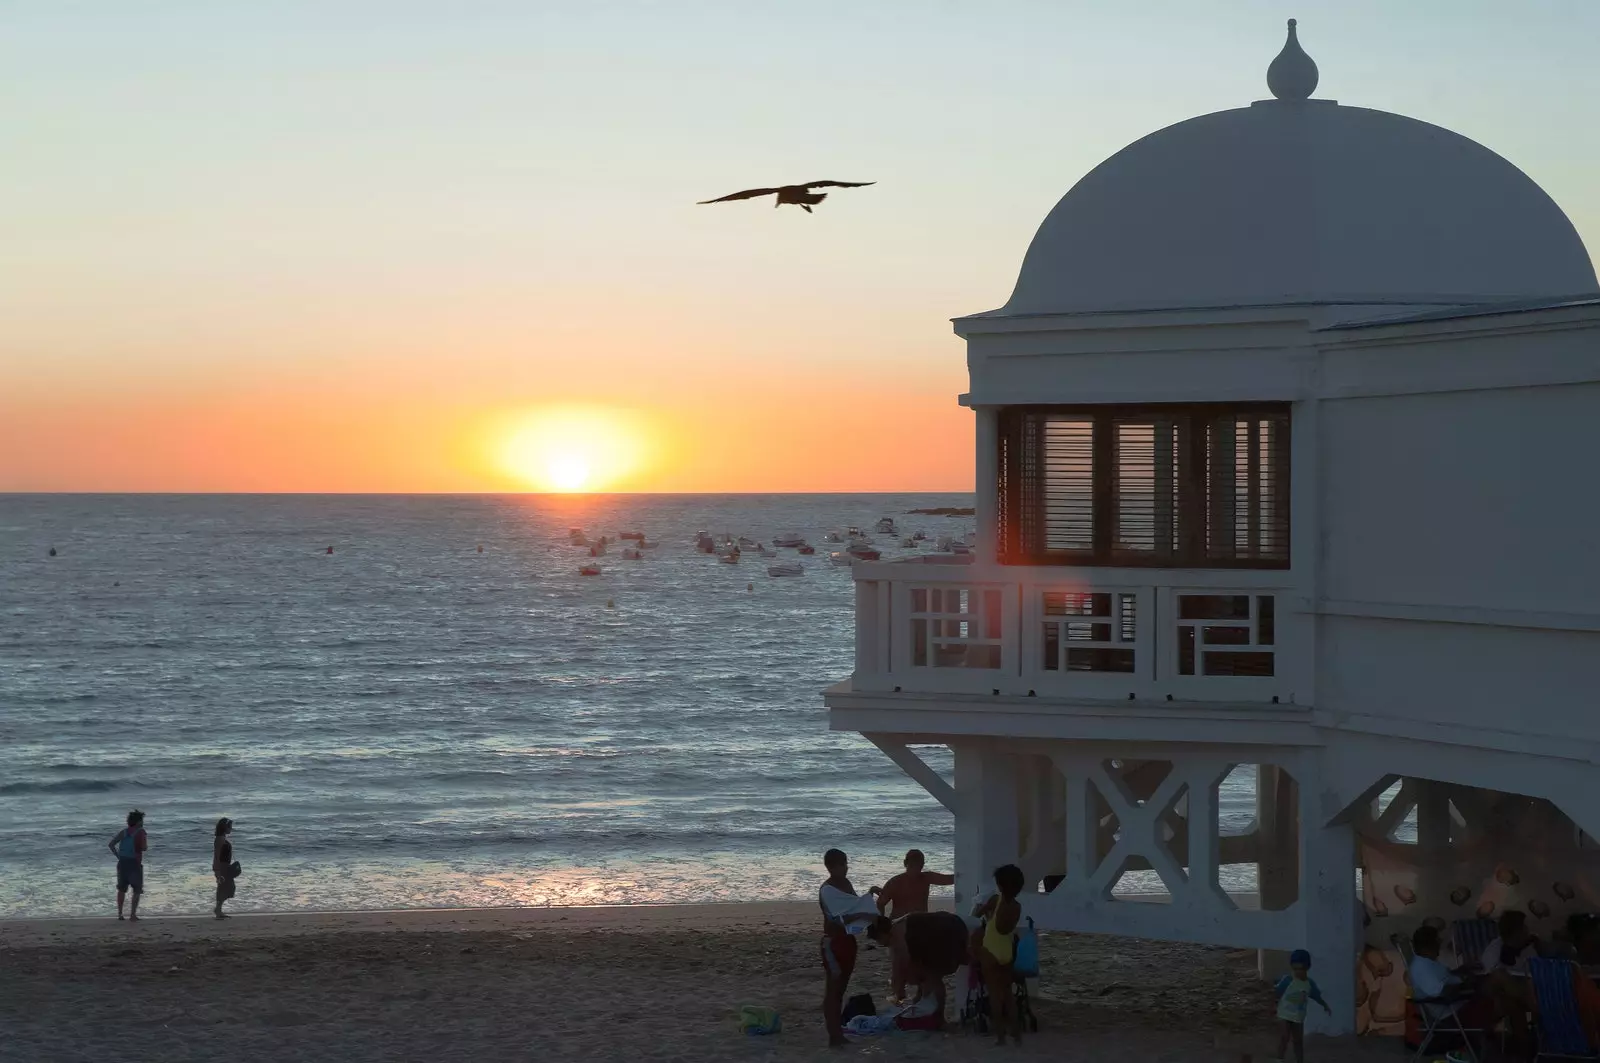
<point>1285,458</point>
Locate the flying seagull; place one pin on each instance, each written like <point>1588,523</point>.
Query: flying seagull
<point>800,195</point>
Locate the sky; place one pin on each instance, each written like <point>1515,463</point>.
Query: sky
<point>341,245</point>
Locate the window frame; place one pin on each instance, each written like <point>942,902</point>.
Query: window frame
<point>1021,503</point>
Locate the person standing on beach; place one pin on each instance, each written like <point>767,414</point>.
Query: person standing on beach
<point>841,909</point>
<point>903,895</point>
<point>128,846</point>
<point>997,951</point>
<point>222,864</point>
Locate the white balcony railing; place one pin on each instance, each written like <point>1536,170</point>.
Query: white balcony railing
<point>1080,633</point>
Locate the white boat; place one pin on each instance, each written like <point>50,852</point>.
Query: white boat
<point>861,540</point>
<point>705,544</point>
<point>786,568</point>
<point>885,526</point>
<point>944,544</point>
<point>731,557</point>
<point>631,554</point>
<point>853,532</point>
<point>646,544</point>
<point>839,557</point>
<point>746,543</point>
<point>908,543</point>
<point>833,537</point>
<point>576,537</point>
<point>789,539</point>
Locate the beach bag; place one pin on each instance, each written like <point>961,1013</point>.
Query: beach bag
<point>128,844</point>
<point>860,1004</point>
<point>759,1022</point>
<point>227,890</point>
<point>235,869</point>
<point>1026,962</point>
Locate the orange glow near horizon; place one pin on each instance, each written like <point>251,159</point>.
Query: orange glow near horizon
<point>572,449</point>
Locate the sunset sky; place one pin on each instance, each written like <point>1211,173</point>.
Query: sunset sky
<point>453,246</point>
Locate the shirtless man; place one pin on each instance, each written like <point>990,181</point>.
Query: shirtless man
<point>906,893</point>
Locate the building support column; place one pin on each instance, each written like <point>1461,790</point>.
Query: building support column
<point>1330,907</point>
<point>1277,854</point>
<point>986,819</point>
<point>987,483</point>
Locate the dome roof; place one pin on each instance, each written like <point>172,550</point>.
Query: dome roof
<point>1299,201</point>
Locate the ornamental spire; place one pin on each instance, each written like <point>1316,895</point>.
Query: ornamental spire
<point>1293,74</point>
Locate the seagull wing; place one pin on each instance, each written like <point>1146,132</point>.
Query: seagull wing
<point>837,184</point>
<point>749,193</point>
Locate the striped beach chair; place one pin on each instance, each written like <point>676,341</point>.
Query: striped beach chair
<point>1471,937</point>
<point>1561,1033</point>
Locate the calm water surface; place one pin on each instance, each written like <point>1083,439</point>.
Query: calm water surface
<point>410,722</point>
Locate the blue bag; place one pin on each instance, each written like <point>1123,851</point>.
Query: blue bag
<point>1026,962</point>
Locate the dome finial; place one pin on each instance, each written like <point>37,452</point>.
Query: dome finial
<point>1293,74</point>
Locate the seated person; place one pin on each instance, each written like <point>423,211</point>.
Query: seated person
<point>927,948</point>
<point>1505,971</point>
<point>1445,990</point>
<point>1512,947</point>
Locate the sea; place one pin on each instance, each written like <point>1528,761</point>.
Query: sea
<point>418,701</point>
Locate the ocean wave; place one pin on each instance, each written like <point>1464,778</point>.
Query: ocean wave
<point>65,786</point>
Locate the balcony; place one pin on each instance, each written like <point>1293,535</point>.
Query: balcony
<point>1080,634</point>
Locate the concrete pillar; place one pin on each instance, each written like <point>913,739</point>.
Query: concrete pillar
<point>1277,854</point>
<point>1331,911</point>
<point>986,484</point>
<point>986,819</point>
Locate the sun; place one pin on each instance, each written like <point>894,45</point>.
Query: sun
<point>570,449</point>
<point>566,472</point>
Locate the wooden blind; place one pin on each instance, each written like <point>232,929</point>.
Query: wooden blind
<point>1174,486</point>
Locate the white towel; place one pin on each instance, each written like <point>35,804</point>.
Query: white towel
<point>849,908</point>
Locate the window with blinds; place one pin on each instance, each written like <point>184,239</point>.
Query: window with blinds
<point>1174,486</point>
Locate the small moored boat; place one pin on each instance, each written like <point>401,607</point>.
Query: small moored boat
<point>789,539</point>
<point>631,554</point>
<point>589,570</point>
<point>786,568</point>
<point>807,548</point>
<point>885,526</point>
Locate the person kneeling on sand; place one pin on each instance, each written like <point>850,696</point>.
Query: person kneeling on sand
<point>926,948</point>
<point>902,895</point>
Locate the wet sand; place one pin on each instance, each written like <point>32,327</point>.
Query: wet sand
<point>624,983</point>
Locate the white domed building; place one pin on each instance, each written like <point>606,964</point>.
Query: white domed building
<point>1287,472</point>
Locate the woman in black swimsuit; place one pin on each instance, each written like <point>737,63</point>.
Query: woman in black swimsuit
<point>222,864</point>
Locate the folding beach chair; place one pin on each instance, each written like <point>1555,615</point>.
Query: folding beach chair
<point>1561,1032</point>
<point>1471,937</point>
<point>1437,1017</point>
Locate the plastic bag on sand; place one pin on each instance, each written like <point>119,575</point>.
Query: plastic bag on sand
<point>755,1021</point>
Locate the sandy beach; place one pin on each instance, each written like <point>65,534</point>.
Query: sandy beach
<point>637,983</point>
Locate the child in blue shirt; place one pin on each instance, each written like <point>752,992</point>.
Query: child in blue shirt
<point>1295,991</point>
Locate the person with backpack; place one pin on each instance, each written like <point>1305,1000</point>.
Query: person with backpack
<point>129,846</point>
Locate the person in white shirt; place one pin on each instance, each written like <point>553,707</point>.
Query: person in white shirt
<point>1505,972</point>
<point>1454,990</point>
<point>1510,950</point>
